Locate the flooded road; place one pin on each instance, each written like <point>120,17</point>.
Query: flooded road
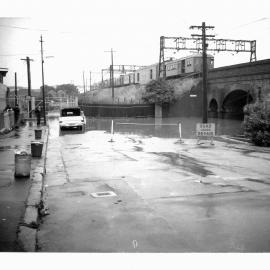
<point>165,127</point>
<point>153,191</point>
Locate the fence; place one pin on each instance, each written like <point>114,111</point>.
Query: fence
<point>118,110</point>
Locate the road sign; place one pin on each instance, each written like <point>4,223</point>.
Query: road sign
<point>205,130</point>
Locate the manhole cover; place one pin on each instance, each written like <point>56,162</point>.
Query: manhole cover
<point>103,194</point>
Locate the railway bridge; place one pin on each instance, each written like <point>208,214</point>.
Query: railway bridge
<point>230,88</point>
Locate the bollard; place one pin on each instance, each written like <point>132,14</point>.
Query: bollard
<point>112,132</point>
<point>36,148</point>
<point>38,134</point>
<point>22,164</point>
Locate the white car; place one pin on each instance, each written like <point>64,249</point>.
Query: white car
<point>72,118</point>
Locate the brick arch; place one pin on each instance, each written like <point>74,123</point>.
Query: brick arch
<point>234,102</point>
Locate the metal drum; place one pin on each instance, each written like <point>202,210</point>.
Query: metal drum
<point>22,164</point>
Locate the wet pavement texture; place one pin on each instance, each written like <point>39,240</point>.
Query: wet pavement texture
<point>13,191</point>
<point>170,197</point>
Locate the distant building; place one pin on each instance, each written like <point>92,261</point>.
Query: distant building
<point>51,94</point>
<point>3,89</point>
<point>3,72</point>
<point>61,93</point>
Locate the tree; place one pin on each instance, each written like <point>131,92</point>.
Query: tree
<point>47,89</point>
<point>158,92</point>
<point>69,89</point>
<point>257,123</point>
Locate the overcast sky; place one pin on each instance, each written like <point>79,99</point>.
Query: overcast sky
<point>76,33</point>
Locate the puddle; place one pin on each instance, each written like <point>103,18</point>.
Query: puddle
<point>76,193</point>
<point>258,181</point>
<point>187,163</point>
<point>138,148</point>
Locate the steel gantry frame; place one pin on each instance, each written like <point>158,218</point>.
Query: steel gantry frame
<point>213,45</point>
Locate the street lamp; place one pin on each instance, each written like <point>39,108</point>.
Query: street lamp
<point>43,86</point>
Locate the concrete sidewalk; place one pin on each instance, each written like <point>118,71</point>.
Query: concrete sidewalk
<point>14,191</point>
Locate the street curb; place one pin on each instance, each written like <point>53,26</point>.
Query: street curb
<point>27,231</point>
<point>228,139</point>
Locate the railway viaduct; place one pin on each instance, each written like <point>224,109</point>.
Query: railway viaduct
<point>229,89</point>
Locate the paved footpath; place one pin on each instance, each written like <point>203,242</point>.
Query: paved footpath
<point>168,197</point>
<point>14,191</point>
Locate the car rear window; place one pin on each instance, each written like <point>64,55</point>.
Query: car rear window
<point>71,112</point>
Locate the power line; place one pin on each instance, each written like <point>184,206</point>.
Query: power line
<point>244,25</point>
<point>23,28</point>
<point>17,54</point>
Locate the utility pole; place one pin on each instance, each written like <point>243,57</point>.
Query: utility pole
<point>161,66</point>
<point>29,83</point>
<point>16,92</point>
<point>203,36</point>
<point>102,75</point>
<point>43,87</point>
<point>86,84</point>
<point>83,85</point>
<point>90,81</point>
<point>111,73</point>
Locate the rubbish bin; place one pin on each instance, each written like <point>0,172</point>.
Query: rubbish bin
<point>36,148</point>
<point>22,164</point>
<point>38,134</point>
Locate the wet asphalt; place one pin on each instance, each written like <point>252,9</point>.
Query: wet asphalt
<point>158,195</point>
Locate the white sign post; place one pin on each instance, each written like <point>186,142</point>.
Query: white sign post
<point>112,132</point>
<point>180,132</point>
<point>205,130</point>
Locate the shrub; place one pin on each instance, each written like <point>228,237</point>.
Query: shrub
<point>158,91</point>
<point>257,123</point>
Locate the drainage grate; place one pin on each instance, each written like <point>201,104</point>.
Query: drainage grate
<point>103,194</point>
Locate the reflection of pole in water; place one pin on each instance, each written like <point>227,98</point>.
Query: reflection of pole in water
<point>158,123</point>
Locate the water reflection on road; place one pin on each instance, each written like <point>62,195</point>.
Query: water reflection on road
<point>165,128</point>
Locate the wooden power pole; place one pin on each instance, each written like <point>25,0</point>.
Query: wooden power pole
<point>29,84</point>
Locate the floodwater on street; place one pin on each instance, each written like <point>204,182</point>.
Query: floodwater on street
<point>165,127</point>
<point>156,194</point>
